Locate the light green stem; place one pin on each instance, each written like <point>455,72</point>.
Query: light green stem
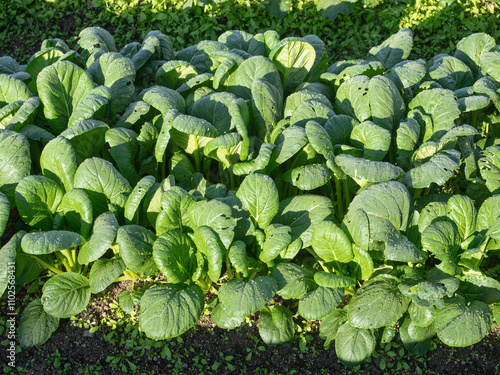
<point>197,155</point>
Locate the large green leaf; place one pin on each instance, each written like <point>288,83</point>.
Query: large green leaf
<point>104,272</point>
<point>373,139</point>
<point>330,243</point>
<point>118,73</point>
<point>92,106</point>
<point>459,324</point>
<point>354,345</point>
<point>223,320</point>
<point>439,169</point>
<point>394,49</point>
<point>267,105</point>
<point>276,325</point>
<point>386,103</point>
<point>39,243</point>
<point>319,302</point>
<point>489,165</point>
<point>58,162</point>
<point>175,202</point>
<point>289,142</point>
<point>442,108</point>
<point>169,310</point>
<point>163,99</point>
<point>367,170</point>
<point>352,98</point>
<point>65,295</point>
<point>302,213</point>
<point>207,241</point>
<point>87,138</point>
<point>293,280</point>
<point>12,90</point>
<point>103,236</point>
<point>8,259</point>
<point>37,199</point>
<point>216,215</point>
<point>61,86</point>
<point>463,212</point>
<point>470,49</point>
<point>77,210</point>
<point>311,110</point>
<point>136,248</point>
<point>124,149</point>
<point>241,298</point>
<point>35,325</point>
<point>15,161</point>
<point>294,58</point>
<point>259,196</point>
<point>490,63</point>
<point>92,38</point>
<point>241,81</point>
<point>132,207</point>
<point>277,240</point>
<point>378,303</point>
<point>450,72</point>
<point>174,255</point>
<point>103,183</point>
<point>442,239</point>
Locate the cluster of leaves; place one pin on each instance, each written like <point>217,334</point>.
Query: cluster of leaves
<point>248,167</point>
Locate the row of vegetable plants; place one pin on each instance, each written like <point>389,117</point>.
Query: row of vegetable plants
<point>248,168</point>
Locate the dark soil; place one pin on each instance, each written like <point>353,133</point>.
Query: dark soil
<point>200,351</point>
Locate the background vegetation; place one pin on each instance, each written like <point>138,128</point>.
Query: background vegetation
<point>437,24</point>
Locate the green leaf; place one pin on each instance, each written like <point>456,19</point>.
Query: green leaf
<point>128,299</point>
<point>103,236</point>
<point>442,108</point>
<point>12,90</point>
<point>8,254</point>
<point>480,288</point>
<point>294,58</point>
<point>103,184</point>
<point>76,208</point>
<point>414,346</point>
<point>373,139</point>
<point>136,248</point>
<point>394,49</point>
<point>330,325</point>
<point>241,81</point>
<point>267,102</point>
<point>208,243</point>
<point>352,98</point>
<point>442,239</point>
<point>470,49</point>
<point>4,212</point>
<point>367,170</point>
<point>330,243</point>
<point>354,345</point>
<point>163,99</point>
<point>311,110</point>
<point>463,213</point>
<point>489,165</point>
<point>310,177</point>
<point>330,280</point>
<point>35,325</point>
<point>289,142</point>
<point>242,298</point>
<point>61,86</point>
<point>216,215</point>
<point>104,272</point>
<point>386,103</point>
<point>238,257</point>
<point>92,38</point>
<point>124,150</point>
<point>87,138</point>
<point>174,73</point>
<point>490,63</point>
<point>48,242</point>
<point>439,169</point>
<point>65,295</point>
<point>58,162</point>
<point>15,161</point>
<point>449,72</point>
<point>37,199</point>
<point>319,302</point>
<point>118,73</point>
<point>132,206</point>
<point>332,8</point>
<point>462,325</point>
<point>93,105</point>
<point>169,310</point>
<point>259,196</point>
<point>223,320</point>
<point>421,316</point>
<point>277,240</point>
<point>302,214</point>
<point>276,325</point>
<point>377,303</point>
<point>293,280</point>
